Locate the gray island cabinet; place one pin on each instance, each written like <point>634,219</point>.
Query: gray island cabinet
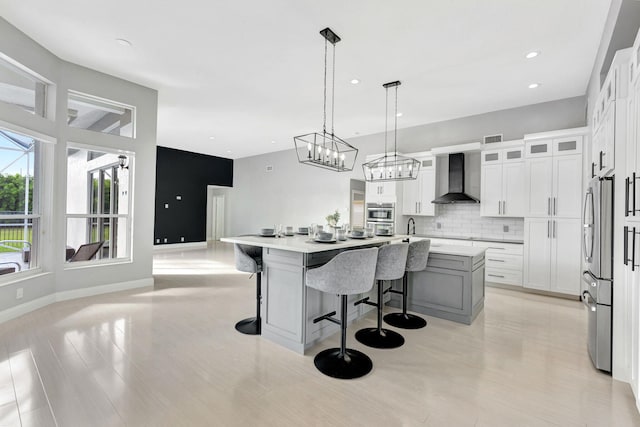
<point>289,307</point>
<point>452,285</point>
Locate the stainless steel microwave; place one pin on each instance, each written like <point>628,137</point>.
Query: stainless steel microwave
<point>380,212</point>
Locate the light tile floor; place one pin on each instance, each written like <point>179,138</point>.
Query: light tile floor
<point>171,357</point>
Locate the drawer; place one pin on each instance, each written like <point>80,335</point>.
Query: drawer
<point>506,277</point>
<point>449,262</point>
<point>502,261</point>
<point>506,248</point>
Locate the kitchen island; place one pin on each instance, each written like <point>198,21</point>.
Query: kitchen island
<point>289,307</point>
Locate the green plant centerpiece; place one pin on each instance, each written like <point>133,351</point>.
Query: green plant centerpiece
<point>333,218</point>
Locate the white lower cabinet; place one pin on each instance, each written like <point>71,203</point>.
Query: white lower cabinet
<point>552,254</point>
<point>503,262</point>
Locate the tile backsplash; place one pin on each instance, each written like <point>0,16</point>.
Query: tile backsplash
<point>464,220</point>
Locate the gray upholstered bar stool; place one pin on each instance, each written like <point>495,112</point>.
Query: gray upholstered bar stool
<point>416,261</point>
<point>249,259</point>
<point>348,273</point>
<point>392,260</point>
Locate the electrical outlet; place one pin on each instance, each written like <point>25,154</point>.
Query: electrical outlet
<point>166,205</point>
<point>19,293</point>
<point>438,225</point>
<point>505,228</point>
<point>165,240</point>
<point>182,239</point>
<point>157,240</point>
<point>178,197</point>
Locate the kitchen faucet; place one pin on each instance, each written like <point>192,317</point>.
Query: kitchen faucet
<point>411,220</point>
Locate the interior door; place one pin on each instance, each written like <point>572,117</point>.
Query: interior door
<point>539,186</point>
<point>513,185</point>
<point>491,190</point>
<point>537,253</point>
<point>565,255</point>
<point>567,183</point>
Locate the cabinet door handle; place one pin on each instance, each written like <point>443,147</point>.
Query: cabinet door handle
<point>420,207</point>
<point>626,196</point>
<point>555,206</point>
<point>633,189</point>
<point>593,167</point>
<point>601,154</point>
<point>495,260</point>
<point>555,224</point>
<point>548,229</point>
<point>504,207</point>
<point>416,207</point>
<point>626,245</point>
<point>495,275</point>
<point>499,208</point>
<point>633,250</point>
<point>548,205</point>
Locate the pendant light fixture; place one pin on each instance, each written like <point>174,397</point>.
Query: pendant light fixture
<point>392,166</point>
<point>326,150</point>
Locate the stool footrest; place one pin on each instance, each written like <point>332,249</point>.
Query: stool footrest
<point>365,301</point>
<point>328,317</point>
<point>393,291</point>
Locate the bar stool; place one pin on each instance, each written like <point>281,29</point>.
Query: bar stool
<point>392,260</point>
<point>416,261</point>
<point>348,273</point>
<point>249,260</point>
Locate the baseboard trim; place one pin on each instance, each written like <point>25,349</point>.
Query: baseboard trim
<point>180,246</point>
<point>28,307</point>
<point>104,289</point>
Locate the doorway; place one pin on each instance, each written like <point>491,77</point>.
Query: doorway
<point>216,200</point>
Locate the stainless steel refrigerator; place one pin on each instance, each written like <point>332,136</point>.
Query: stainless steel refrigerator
<point>597,280</point>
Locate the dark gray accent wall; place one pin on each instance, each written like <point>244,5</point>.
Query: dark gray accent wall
<point>181,184</point>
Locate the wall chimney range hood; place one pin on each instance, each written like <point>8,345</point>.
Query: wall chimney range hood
<point>456,192</point>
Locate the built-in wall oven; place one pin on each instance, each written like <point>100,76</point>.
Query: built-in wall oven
<point>381,218</point>
<point>597,280</point>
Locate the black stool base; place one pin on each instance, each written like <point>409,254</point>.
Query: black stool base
<point>383,338</point>
<point>405,321</point>
<point>354,364</point>
<point>250,326</point>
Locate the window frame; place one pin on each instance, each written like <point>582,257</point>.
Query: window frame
<point>99,101</point>
<point>128,258</point>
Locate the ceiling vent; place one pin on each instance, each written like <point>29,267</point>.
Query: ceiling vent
<point>269,168</point>
<point>492,139</point>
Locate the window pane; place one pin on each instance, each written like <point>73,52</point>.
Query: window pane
<point>19,88</point>
<point>17,159</point>
<point>18,243</point>
<point>99,115</point>
<point>90,183</point>
<point>97,238</point>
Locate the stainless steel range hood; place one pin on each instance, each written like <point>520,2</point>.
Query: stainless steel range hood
<point>456,192</point>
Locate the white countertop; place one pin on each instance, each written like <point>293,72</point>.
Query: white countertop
<point>303,244</point>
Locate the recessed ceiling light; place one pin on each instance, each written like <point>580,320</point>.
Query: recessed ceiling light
<point>228,151</point>
<point>355,81</point>
<point>399,115</point>
<point>532,54</point>
<point>534,85</point>
<point>212,137</point>
<point>273,142</point>
<point>123,42</point>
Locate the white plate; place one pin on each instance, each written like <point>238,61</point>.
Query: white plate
<point>357,237</point>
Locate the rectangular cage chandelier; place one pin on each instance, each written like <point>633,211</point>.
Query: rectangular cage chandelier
<point>391,166</point>
<point>326,150</point>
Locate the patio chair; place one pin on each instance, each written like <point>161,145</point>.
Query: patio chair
<point>87,251</point>
<point>7,267</point>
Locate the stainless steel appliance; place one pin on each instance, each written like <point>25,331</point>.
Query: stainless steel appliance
<point>381,212</point>
<point>598,278</point>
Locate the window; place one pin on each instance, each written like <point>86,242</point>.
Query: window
<point>20,88</point>
<point>19,202</point>
<point>98,200</point>
<point>100,115</point>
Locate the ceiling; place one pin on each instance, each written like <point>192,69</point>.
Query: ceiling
<point>250,73</point>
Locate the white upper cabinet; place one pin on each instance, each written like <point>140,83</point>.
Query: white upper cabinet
<point>553,179</point>
<point>417,194</point>
<point>502,182</point>
<point>381,192</point>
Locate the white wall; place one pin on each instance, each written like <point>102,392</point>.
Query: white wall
<point>56,275</point>
<point>295,194</point>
